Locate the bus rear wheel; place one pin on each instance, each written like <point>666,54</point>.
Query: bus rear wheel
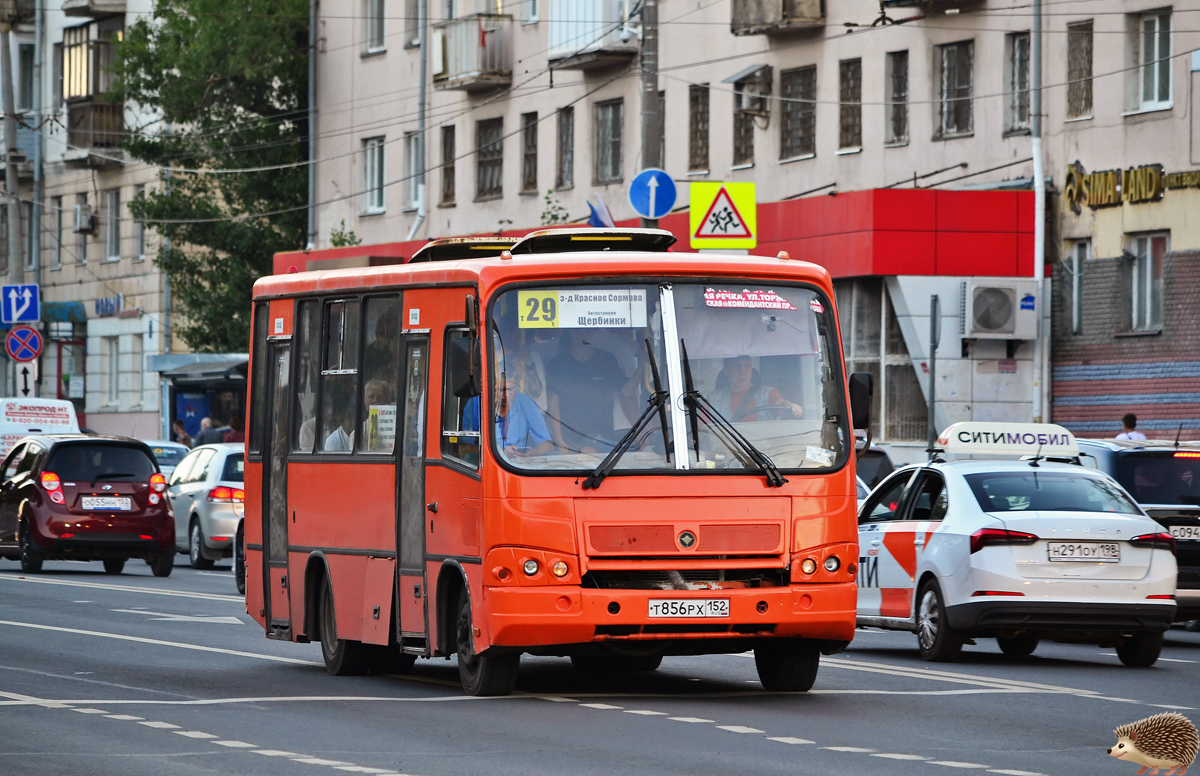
<point>786,666</point>
<point>342,657</point>
<point>482,674</point>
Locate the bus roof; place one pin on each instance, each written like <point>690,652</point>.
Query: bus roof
<point>492,271</point>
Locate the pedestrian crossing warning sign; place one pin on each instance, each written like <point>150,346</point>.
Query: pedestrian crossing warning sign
<point>723,215</point>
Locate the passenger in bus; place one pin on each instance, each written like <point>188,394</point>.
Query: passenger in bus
<point>381,355</point>
<point>339,440</point>
<point>740,395</point>
<point>582,382</point>
<point>520,427</point>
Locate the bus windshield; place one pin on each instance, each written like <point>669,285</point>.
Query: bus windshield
<point>573,370</point>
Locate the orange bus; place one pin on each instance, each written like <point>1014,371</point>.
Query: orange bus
<point>576,444</point>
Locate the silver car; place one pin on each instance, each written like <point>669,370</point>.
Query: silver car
<point>206,493</point>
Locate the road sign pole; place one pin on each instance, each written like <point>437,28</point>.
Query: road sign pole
<point>651,110</point>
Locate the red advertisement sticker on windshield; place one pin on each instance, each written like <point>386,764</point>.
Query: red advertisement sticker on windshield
<point>752,300</point>
<point>816,306</point>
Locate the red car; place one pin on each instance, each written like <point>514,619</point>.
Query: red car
<point>83,497</point>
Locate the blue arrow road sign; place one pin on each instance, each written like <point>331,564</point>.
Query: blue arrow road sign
<point>652,194</point>
<point>20,304</point>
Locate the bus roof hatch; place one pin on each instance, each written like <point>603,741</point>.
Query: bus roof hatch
<point>455,248</point>
<point>575,240</point>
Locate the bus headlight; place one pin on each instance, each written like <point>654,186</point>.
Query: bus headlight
<point>560,569</point>
<point>832,563</point>
<point>808,565</point>
<point>530,567</point>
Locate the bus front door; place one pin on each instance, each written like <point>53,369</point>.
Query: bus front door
<point>275,505</point>
<point>413,616</point>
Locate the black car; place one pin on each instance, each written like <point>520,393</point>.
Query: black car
<point>1164,478</point>
<point>80,497</point>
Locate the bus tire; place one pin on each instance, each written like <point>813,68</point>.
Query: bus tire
<point>786,666</point>
<point>342,656</point>
<point>488,673</point>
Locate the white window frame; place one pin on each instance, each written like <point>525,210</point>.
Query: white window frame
<point>374,165</point>
<point>113,358</point>
<point>896,104</point>
<point>944,106</point>
<point>375,27</point>
<point>529,11</point>
<point>1152,66</point>
<point>1017,82</point>
<point>112,225</point>
<point>610,116</point>
<point>411,166</point>
<point>1145,293</point>
<point>56,212</point>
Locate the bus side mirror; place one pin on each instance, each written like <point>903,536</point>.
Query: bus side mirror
<point>862,387</point>
<point>464,367</point>
<point>470,316</point>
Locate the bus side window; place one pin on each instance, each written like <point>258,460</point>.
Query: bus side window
<point>460,414</point>
<point>339,377</point>
<point>308,363</point>
<point>380,368</point>
<point>257,413</point>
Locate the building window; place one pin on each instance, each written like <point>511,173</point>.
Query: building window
<point>609,124</point>
<point>698,127</point>
<point>412,25</point>
<point>112,224</point>
<point>373,162</point>
<point>751,100</point>
<point>529,11</point>
<point>489,158</point>
<point>376,36</point>
<point>25,76</point>
<point>139,229</point>
<point>529,154</point>
<point>1080,253</point>
<point>82,217</point>
<point>955,66</point>
<point>1146,288</point>
<point>112,346</point>
<point>56,230</point>
<point>1154,61</point>
<point>565,177</point>
<point>448,155</point>
<point>850,104</point>
<point>1079,69</point>
<point>76,81</point>
<point>798,135</point>
<point>412,166</point>
<point>1016,81</point>
<point>896,86</point>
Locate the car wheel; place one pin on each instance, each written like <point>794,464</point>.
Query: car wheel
<point>114,565</point>
<point>161,564</point>
<point>195,542</point>
<point>342,657</point>
<point>31,559</point>
<point>489,673</point>
<point>1018,646</point>
<point>239,560</point>
<point>1141,650</point>
<point>786,665</point>
<point>936,639</point>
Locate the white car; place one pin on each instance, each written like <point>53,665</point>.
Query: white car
<point>1016,550</point>
<point>206,492</point>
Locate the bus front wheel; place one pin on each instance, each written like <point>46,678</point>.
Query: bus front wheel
<point>342,657</point>
<point>482,674</point>
<point>786,666</point>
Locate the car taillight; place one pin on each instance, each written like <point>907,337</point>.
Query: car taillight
<point>224,493</point>
<point>50,481</point>
<point>158,483</point>
<point>985,537</point>
<point>1159,541</point>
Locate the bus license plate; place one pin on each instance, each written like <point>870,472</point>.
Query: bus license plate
<point>1185,533</point>
<point>107,503</point>
<point>689,608</point>
<point>1102,552</point>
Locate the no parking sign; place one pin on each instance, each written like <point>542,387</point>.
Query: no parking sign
<point>23,343</point>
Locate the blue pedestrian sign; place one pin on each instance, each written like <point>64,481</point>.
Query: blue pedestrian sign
<point>652,194</point>
<point>23,343</point>
<point>20,304</point>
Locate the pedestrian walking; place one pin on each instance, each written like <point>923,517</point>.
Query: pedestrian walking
<point>1128,424</point>
<point>181,434</point>
<point>208,435</point>
<point>235,433</point>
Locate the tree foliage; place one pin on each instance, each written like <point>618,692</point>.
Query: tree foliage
<point>223,84</point>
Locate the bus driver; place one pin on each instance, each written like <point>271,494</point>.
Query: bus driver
<point>520,428</point>
<point>740,395</point>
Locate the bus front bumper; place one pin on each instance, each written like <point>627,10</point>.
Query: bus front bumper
<point>541,616</point>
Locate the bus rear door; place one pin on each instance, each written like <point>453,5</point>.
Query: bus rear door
<point>410,498</point>
<point>275,505</point>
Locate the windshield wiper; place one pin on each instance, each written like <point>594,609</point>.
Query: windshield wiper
<point>657,402</point>
<point>696,404</point>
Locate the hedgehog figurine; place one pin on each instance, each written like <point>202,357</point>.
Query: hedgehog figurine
<point>1165,741</point>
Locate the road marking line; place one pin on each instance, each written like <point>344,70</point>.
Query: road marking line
<point>165,617</point>
<point>855,749</point>
<point>318,761</point>
<point>645,713</point>
<point>892,756</point>
<point>740,729</point>
<point>124,717</point>
<point>158,725</point>
<point>599,706</point>
<point>557,699</point>
<point>690,719</point>
<point>236,744</point>
<point>1014,773</point>
<point>955,764</point>
<point>790,740</point>
<point>276,753</point>
<point>194,734</point>
<point>363,769</point>
<point>279,699</point>
<point>1161,659</point>
<point>16,699</point>
<point>127,589</point>
<point>90,711</point>
<point>1169,706</point>
<point>160,643</point>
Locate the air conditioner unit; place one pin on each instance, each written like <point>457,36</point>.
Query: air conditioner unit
<point>750,100</point>
<point>1001,309</point>
<point>85,222</point>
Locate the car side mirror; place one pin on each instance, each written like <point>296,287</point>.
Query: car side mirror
<point>862,388</point>
<point>464,367</point>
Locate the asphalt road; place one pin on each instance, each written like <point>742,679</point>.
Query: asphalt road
<point>140,676</point>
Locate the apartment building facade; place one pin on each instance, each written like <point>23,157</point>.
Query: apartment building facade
<point>892,147</point>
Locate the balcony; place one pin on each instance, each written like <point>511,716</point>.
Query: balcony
<point>473,53</point>
<point>933,7</point>
<point>94,133</point>
<point>92,8</point>
<point>775,17</point>
<point>587,35</point>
